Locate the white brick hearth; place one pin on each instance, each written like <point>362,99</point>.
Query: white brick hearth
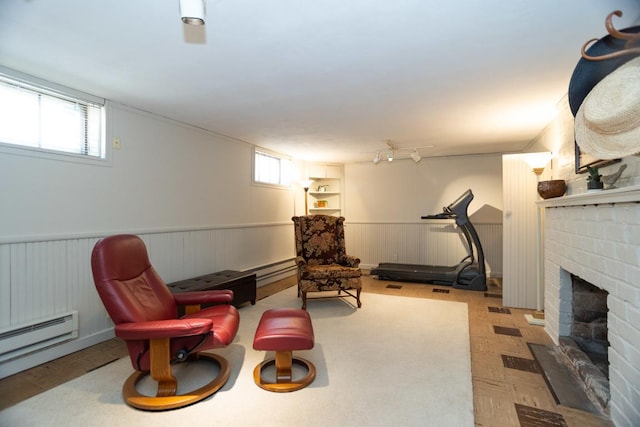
<point>596,236</point>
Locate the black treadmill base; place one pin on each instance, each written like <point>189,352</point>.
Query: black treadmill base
<point>430,274</point>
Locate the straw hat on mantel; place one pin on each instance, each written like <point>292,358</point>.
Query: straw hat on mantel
<point>607,124</point>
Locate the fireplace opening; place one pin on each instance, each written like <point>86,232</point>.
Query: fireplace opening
<point>589,322</point>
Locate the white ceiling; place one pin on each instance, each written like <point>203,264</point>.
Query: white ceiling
<point>322,80</point>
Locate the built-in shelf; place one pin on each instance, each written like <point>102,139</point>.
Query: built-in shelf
<point>614,195</point>
<point>327,188</point>
<point>323,193</point>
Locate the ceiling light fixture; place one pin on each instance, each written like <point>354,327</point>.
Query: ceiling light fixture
<point>415,156</point>
<point>390,153</point>
<point>376,159</point>
<point>192,12</point>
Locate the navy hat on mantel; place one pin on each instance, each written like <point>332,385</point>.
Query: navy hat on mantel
<point>588,73</point>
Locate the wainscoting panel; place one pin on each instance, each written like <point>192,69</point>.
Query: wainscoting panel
<point>435,243</point>
<point>491,238</point>
<point>5,291</point>
<point>520,233</point>
<point>41,279</point>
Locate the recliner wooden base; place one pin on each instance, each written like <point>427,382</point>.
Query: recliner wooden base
<point>166,397</point>
<point>284,373</point>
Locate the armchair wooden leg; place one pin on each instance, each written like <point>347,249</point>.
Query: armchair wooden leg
<point>304,300</point>
<point>161,368</point>
<point>190,309</point>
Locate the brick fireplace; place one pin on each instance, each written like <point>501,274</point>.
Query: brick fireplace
<point>596,237</point>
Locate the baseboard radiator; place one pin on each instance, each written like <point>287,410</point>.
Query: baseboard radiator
<point>269,273</point>
<point>28,338</point>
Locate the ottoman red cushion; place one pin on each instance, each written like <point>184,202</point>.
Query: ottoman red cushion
<point>284,329</point>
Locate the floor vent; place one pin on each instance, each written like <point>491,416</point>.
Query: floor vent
<point>28,338</point>
<point>529,416</point>
<point>394,286</point>
<point>502,330</point>
<point>442,291</point>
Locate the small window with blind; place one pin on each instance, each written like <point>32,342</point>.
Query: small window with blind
<point>50,120</point>
<point>271,169</point>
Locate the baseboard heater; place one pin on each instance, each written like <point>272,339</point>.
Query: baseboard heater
<point>275,271</point>
<point>28,338</point>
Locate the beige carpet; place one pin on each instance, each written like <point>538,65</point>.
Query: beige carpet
<point>396,361</point>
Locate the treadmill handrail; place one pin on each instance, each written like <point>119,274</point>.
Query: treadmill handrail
<point>442,215</point>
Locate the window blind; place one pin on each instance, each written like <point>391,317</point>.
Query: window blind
<point>45,119</point>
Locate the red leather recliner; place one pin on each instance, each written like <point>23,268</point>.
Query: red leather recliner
<point>145,314</point>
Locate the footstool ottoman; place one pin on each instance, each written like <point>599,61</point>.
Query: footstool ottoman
<point>284,330</point>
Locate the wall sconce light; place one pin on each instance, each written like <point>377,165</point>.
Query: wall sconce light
<point>390,155</point>
<point>537,161</point>
<point>306,184</point>
<point>415,156</point>
<point>192,12</point>
<point>377,158</point>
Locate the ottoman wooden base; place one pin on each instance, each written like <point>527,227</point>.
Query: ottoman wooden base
<point>284,361</point>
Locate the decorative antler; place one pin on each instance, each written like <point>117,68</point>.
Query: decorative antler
<point>629,48</point>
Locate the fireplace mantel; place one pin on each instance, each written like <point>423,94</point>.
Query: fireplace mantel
<point>615,195</point>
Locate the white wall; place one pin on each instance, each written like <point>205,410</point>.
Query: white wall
<point>165,176</point>
<point>403,190</point>
<point>384,203</point>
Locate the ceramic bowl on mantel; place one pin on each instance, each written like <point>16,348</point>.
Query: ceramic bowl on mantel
<point>552,188</point>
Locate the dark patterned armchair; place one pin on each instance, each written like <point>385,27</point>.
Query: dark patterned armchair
<point>321,258</point>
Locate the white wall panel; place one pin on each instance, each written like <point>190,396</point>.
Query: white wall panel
<point>491,237</point>
<point>40,279</point>
<point>5,278</point>
<point>519,284</point>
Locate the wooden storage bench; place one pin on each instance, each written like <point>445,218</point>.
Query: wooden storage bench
<point>242,284</point>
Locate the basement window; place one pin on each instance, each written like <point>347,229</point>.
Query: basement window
<point>271,169</point>
<point>43,119</point>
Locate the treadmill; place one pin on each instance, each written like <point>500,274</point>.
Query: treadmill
<point>469,273</point>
